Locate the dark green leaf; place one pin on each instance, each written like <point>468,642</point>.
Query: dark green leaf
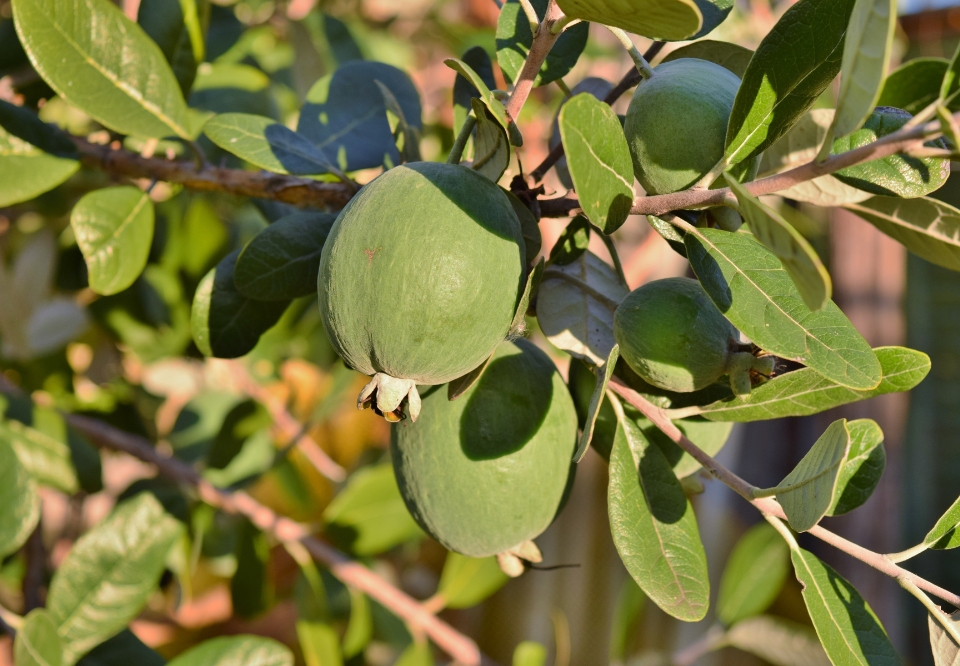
<point>630,603</point>
<point>110,573</point>
<point>778,641</point>
<point>37,642</point>
<point>862,469</point>
<point>319,643</point>
<point>23,124</point>
<point>245,420</point>
<point>19,501</point>
<point>793,65</point>
<point>248,587</point>
<point>806,494</point>
<point>944,534</point>
<point>122,650</point>
<point>114,229</point>
<point>463,90</point>
<point>755,572</point>
<point>946,650</point>
<point>654,528</point>
<point>604,373</point>
<point>709,436</point>
<point>797,257</point>
<point>360,627</point>
<point>236,651</point>
<point>669,233</point>
<point>283,260</point>
<point>914,84</point>
<point>406,137</point>
<point>532,239</point>
<point>227,324</point>
<point>491,148</point>
<point>730,56</point>
<point>804,392</point>
<point>529,653</point>
<point>494,105</point>
<point>369,517</point>
<point>529,290</point>
<point>85,52</point>
<point>341,42</point>
<point>34,157</point>
<point>345,115</point>
<point>514,39</point>
<point>179,29</point>
<point>572,243</point>
<point>714,13</point>
<point>466,581</point>
<point>748,284</point>
<point>847,627</point>
<point>599,160</point>
<point>670,20</point>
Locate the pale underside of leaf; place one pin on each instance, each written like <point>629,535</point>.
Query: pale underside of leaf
<point>807,492</point>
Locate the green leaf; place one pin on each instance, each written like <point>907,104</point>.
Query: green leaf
<point>345,114</point>
<point>532,239</point>
<point>599,160</point>
<point>369,517</point>
<point>597,87</point>
<point>729,56</point>
<point>282,261</point>
<point>866,58</point>
<point>946,651</point>
<point>34,157</point>
<point>236,651</point>
<point>466,581</point>
<point>709,436</point>
<point>630,604</point>
<point>248,587</point>
<point>514,39</point>
<point>406,137</point>
<point>360,627</point>
<point>122,649</point>
<point>862,469</point>
<point>477,59</point>
<point>46,458</point>
<point>225,323</point>
<point>714,13</point>
<point>492,103</point>
<point>19,501</point>
<point>670,20</point>
<point>604,373</point>
<point>37,642</point>
<point>574,320</point>
<point>179,29</point>
<point>793,65</point>
<point>417,653</point>
<point>21,123</point>
<point>793,250</point>
<point>491,148</point>
<point>951,79</point>
<point>669,233</point>
<point>654,527</point>
<point>848,628</point>
<point>778,641</point>
<point>806,494</point>
<point>754,574</point>
<point>914,85</point>
<point>529,653</point>
<point>805,391</point>
<point>319,643</point>
<point>572,243</point>
<point>750,287</point>
<point>110,573</point>
<point>268,144</point>
<point>104,64</point>
<point>114,229</point>
<point>944,534</point>
<point>927,227</point>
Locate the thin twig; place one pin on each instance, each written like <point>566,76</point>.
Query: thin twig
<point>942,618</point>
<point>543,41</point>
<point>714,639</point>
<point>458,646</point>
<point>769,506</point>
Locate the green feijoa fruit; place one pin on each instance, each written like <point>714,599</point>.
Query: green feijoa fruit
<point>676,125</point>
<point>487,472</point>
<point>673,336</point>
<point>895,175</point>
<point>420,278</point>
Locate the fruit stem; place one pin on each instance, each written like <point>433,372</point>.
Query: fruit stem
<point>457,151</point>
<point>563,24</point>
<point>642,65</point>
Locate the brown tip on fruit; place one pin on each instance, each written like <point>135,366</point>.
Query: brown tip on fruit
<point>385,394</point>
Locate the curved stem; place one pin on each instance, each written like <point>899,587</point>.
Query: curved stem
<point>931,607</point>
<point>905,555</point>
<point>783,530</point>
<point>638,60</point>
<point>456,153</point>
<point>714,639</point>
<point>531,15</point>
<point>563,24</point>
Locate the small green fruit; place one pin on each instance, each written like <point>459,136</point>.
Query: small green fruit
<point>677,124</point>
<point>487,472</point>
<point>420,278</point>
<point>673,336</point>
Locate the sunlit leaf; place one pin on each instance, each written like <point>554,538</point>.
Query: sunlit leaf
<point>466,581</point>
<point>37,642</point>
<point>944,534</point>
<point>236,651</point>
<point>806,494</point>
<point>754,574</point>
<point>268,144</point>
<point>862,468</point>
<point>657,19</point>
<point>729,56</point>
<point>19,501</point>
<point>514,39</point>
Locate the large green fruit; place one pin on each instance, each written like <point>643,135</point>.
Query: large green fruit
<point>420,278</point>
<point>673,336</point>
<point>487,472</point>
<point>677,124</point>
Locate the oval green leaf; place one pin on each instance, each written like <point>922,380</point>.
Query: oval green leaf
<point>729,56</point>
<point>598,160</point>
<point>236,651</point>
<point>778,641</point>
<point>604,373</point>
<point>848,628</point>
<point>179,29</point>
<point>754,574</point>
<point>914,85</point>
<point>110,573</point>
<point>37,642</point>
<point>492,103</point>
<point>797,257</point>
<point>86,53</point>
<point>19,499</point>
<point>750,287</point>
<point>122,649</point>
<point>515,38</point>
<point>34,158</point>
<point>944,534</point>
<point>319,643</point>
<point>46,457</point>
<point>862,469</point>
<point>654,527</point>
<point>478,60</point>
<point>794,63</point>
<point>114,229</point>
<point>669,20</point>
<point>597,87</point>
<point>491,148</point>
<point>806,494</point>
<point>282,261</point>
<point>466,581</point>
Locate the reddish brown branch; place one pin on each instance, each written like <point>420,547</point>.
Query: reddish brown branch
<point>543,41</point>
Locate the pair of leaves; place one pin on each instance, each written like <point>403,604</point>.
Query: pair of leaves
<point>515,38</point>
<point>34,157</point>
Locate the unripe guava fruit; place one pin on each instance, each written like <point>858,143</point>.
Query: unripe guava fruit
<point>487,472</point>
<point>673,336</point>
<point>677,124</point>
<point>420,278</point>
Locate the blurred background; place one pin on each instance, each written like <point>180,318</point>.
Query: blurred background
<point>129,359</point>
